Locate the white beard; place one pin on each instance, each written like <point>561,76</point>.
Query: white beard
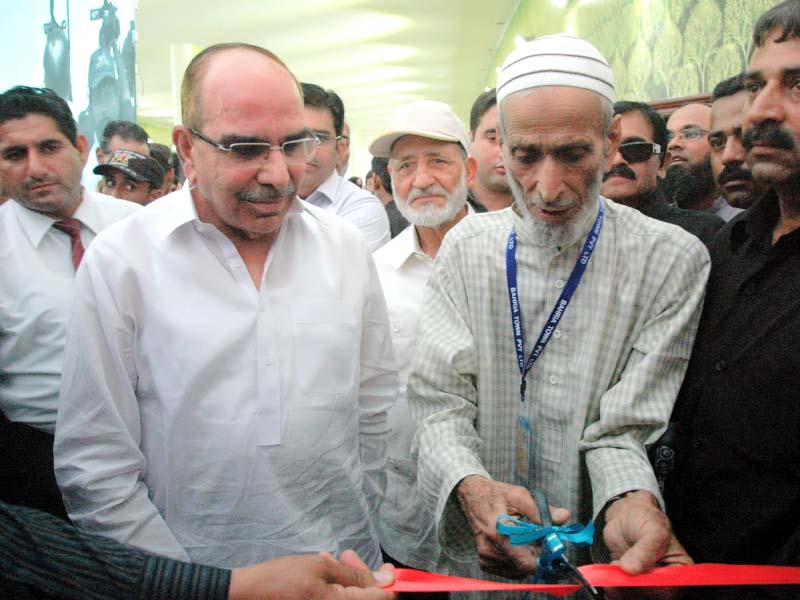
<point>430,215</point>
<point>546,234</point>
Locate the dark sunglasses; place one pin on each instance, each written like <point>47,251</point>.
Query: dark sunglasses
<point>636,152</point>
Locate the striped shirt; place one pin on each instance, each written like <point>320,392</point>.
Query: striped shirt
<point>44,557</point>
<point>604,385</point>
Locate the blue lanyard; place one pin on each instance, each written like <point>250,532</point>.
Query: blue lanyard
<point>558,309</point>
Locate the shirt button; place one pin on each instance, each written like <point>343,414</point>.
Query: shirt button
<point>553,379</point>
<point>559,283</point>
<point>720,366</point>
<point>396,328</point>
<point>557,333</point>
<point>750,289</point>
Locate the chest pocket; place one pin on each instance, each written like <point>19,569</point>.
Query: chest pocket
<point>326,347</point>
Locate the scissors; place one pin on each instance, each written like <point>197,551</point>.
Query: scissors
<point>552,563</point>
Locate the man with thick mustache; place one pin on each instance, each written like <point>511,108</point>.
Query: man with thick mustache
<point>731,172</point>
<point>689,182</point>
<point>633,177</point>
<point>230,364</point>
<point>533,372</point>
<point>734,495</point>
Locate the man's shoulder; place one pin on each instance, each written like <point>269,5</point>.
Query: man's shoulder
<point>112,209</point>
<point>639,229</point>
<point>477,226</point>
<point>7,222</point>
<point>700,223</point>
<point>129,226</point>
<point>395,250</point>
<point>349,194</point>
<point>329,223</point>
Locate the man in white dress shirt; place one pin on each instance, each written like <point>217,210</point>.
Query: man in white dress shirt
<point>428,150</point>
<point>322,186</point>
<point>43,231</point>
<point>230,379</point>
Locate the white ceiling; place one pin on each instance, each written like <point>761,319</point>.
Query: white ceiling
<point>376,54</point>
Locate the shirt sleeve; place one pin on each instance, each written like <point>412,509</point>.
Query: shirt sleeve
<point>636,409</point>
<point>443,399</point>
<point>377,392</point>
<point>368,214</point>
<point>41,555</point>
<point>99,465</point>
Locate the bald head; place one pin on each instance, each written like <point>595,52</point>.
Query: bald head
<point>223,57</point>
<point>697,114</point>
<point>688,132</point>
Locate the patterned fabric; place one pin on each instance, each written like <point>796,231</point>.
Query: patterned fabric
<point>72,227</point>
<point>43,557</point>
<point>603,387</point>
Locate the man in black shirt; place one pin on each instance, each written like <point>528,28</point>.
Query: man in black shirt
<point>734,495</point>
<point>633,178</point>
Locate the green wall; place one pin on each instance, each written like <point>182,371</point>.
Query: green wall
<point>657,49</point>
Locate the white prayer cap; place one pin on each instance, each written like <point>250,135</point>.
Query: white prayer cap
<point>425,118</point>
<point>559,59</point>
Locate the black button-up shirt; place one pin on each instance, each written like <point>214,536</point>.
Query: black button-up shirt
<point>735,493</point>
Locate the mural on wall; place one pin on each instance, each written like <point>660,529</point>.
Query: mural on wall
<point>658,48</point>
<point>82,49</point>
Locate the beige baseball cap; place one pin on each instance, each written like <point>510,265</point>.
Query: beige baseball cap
<point>425,118</point>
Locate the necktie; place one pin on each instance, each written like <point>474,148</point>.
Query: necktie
<point>72,227</point>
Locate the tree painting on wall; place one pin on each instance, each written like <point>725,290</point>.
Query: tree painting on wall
<point>668,48</point>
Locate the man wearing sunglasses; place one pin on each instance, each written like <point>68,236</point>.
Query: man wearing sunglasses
<point>633,178</point>
<point>689,181</point>
<point>230,367</point>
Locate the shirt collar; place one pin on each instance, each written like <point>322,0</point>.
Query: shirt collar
<point>88,213</point>
<point>181,210</point>
<point>406,244</point>
<point>756,223</point>
<point>328,188</point>
<point>36,225</point>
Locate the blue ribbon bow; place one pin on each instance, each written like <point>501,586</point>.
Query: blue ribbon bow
<point>552,539</point>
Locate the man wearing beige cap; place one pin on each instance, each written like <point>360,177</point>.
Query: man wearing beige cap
<point>428,151</point>
<point>553,336</point>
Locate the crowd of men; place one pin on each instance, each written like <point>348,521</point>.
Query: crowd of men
<point>573,294</point>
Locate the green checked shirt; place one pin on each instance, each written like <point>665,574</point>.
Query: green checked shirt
<point>603,387</point>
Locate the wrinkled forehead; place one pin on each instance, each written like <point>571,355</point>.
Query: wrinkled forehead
<point>560,111</point>
<point>241,86</point>
<point>727,112</point>
<point>690,116</point>
<point>634,124</point>
<point>418,146</point>
<point>30,130</point>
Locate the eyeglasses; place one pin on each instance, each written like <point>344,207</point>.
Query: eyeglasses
<point>636,152</point>
<point>295,152</point>
<point>324,138</point>
<point>690,133</point>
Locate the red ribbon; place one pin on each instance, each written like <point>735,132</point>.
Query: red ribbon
<point>409,580</point>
